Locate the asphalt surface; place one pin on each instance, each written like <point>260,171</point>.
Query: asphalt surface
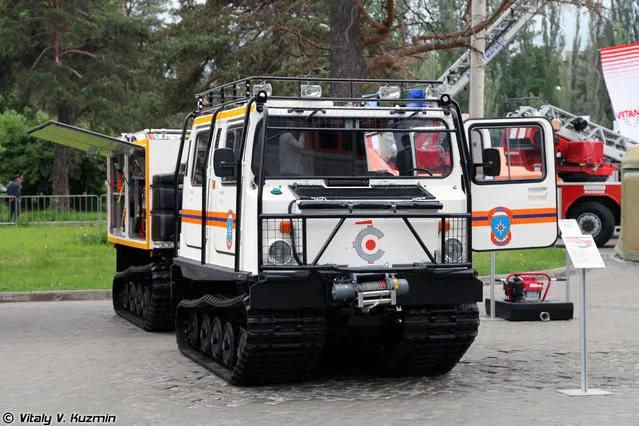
<point>78,357</point>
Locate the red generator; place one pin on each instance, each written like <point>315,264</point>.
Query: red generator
<point>526,299</point>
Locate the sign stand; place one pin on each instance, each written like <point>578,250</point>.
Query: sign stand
<point>584,255</point>
<point>492,284</point>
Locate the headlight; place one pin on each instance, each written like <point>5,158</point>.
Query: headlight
<point>454,250</point>
<point>280,252</point>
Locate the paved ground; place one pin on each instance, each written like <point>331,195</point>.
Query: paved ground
<point>78,357</point>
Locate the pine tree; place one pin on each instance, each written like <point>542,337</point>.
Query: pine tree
<point>73,59</point>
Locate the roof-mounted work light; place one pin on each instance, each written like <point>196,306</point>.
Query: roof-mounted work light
<point>389,92</point>
<point>266,87</point>
<point>311,91</point>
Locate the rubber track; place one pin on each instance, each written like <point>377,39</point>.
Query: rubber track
<point>159,313</point>
<point>280,348</point>
<point>433,340</point>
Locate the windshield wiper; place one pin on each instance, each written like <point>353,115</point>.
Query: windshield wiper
<point>405,118</point>
<point>308,117</point>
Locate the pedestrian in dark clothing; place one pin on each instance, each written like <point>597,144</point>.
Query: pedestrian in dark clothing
<point>13,190</point>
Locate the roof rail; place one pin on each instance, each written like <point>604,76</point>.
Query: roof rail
<point>242,90</point>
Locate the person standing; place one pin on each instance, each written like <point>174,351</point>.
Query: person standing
<point>13,190</point>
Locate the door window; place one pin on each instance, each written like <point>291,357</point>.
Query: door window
<point>198,160</point>
<point>233,136</point>
<point>521,150</point>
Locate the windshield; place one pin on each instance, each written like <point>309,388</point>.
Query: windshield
<point>347,147</point>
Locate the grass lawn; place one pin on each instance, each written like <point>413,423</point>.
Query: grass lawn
<point>510,261</point>
<point>55,258</point>
<point>79,257</point>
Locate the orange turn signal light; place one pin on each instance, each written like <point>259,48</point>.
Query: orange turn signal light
<point>285,227</point>
<point>439,226</point>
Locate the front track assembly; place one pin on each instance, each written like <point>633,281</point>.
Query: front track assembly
<point>432,342</point>
<point>142,295</point>
<point>251,348</point>
<point>246,347</point>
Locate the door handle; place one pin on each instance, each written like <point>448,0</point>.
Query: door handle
<point>537,193</point>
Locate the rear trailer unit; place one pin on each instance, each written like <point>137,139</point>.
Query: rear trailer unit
<point>140,214</point>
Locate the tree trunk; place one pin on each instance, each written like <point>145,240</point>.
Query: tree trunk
<point>60,178</point>
<point>347,46</point>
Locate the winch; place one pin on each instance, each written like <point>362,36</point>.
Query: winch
<point>370,290</point>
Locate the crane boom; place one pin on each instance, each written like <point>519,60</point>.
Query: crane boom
<point>615,145</point>
<point>498,35</point>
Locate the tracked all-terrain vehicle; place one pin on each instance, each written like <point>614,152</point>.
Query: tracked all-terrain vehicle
<point>309,229</point>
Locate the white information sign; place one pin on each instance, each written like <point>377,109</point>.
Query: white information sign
<point>569,228</point>
<point>583,252</point>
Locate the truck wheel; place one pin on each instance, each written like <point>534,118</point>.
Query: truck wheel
<point>594,219</point>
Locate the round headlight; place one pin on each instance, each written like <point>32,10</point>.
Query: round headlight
<point>454,250</point>
<point>280,252</point>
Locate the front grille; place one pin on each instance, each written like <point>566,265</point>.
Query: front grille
<point>376,192</point>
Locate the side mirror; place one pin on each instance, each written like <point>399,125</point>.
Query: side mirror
<point>492,162</point>
<point>224,162</point>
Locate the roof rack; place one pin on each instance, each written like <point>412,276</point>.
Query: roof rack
<point>242,90</point>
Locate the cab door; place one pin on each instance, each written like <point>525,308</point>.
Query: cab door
<point>516,208</point>
<point>223,203</point>
<point>192,204</point>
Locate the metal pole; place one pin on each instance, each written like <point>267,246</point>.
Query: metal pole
<point>477,63</point>
<point>560,216</point>
<point>584,353</point>
<point>567,277</point>
<point>492,284</point>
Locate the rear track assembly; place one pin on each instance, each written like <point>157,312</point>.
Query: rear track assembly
<point>142,295</point>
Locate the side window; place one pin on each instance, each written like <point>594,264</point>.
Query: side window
<point>198,160</point>
<point>521,150</point>
<point>233,142</point>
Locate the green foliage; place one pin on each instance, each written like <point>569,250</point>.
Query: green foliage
<point>33,158</point>
<point>87,63</point>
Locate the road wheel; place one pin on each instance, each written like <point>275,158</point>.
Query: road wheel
<point>124,295</point>
<point>228,345</point>
<point>138,299</point>
<point>131,296</point>
<point>594,219</point>
<point>216,339</point>
<point>146,300</point>
<point>241,342</point>
<point>194,330</point>
<point>205,334</point>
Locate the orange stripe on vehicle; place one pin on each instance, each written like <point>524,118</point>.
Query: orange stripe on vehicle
<point>519,216</point>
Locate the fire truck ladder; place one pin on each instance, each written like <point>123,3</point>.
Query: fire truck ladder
<point>615,145</point>
<point>498,35</point>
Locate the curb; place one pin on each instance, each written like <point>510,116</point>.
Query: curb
<point>55,296</point>
<point>69,295</point>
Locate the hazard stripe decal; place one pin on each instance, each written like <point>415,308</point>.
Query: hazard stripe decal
<point>217,219</point>
<point>520,217</point>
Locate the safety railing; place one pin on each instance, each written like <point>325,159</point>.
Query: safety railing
<point>8,210</point>
<point>52,209</point>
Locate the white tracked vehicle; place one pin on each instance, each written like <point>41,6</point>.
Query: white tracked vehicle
<point>310,228</point>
